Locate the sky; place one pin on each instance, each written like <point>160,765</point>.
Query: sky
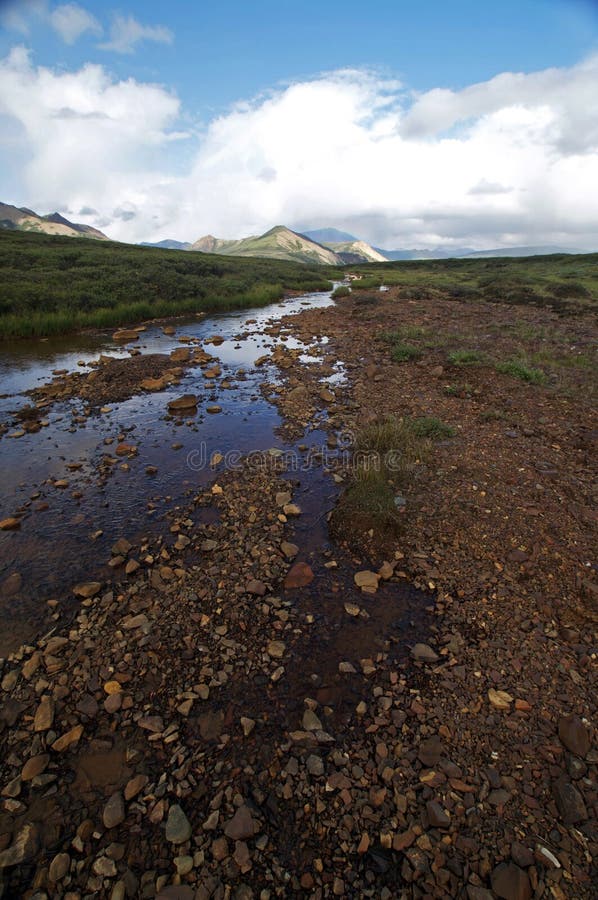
<point>410,125</point>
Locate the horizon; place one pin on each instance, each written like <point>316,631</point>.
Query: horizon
<point>415,129</point>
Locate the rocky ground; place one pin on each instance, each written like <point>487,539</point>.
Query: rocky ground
<point>244,713</point>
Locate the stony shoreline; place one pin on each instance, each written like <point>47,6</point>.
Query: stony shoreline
<point>227,722</point>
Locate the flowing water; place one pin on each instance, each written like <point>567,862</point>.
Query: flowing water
<point>67,532</point>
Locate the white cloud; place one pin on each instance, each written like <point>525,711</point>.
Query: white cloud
<point>71,21</point>
<point>126,32</point>
<point>513,160</point>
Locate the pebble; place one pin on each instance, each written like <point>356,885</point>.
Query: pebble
<point>178,827</point>
<point>509,882</point>
<point>574,735</point>
<point>241,826</point>
<point>114,811</point>
<point>424,653</point>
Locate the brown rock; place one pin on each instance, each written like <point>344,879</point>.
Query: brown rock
<point>574,735</point>
<point>186,402</point>
<point>510,882</point>
<point>35,766</point>
<point>569,802</point>
<point>68,739</point>
<point>10,524</point>
<point>299,575</point>
<point>241,826</point>
<point>114,811</point>
<point>44,715</point>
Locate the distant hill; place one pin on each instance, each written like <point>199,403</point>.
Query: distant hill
<point>329,236</point>
<point>167,245</point>
<point>436,253</point>
<point>520,251</point>
<point>355,251</point>
<point>23,219</point>
<point>277,243</point>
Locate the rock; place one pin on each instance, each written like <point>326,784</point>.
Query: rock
<point>10,524</point>
<point>114,811</point>
<point>569,802</point>
<point>87,590</point>
<point>178,892</point>
<point>499,699</point>
<point>367,581</point>
<point>310,721</point>
<point>352,609</point>
<point>67,739</point>
<point>424,653</point>
<point>386,570</point>
<point>213,409</point>
<point>257,588</point>
<point>276,649</point>
<point>186,402</point>
<point>178,827</point>
<point>522,855</point>
<point>289,550</point>
<point>291,509</point>
<point>44,715</point>
<point>574,735</point>
<point>181,355</point>
<point>247,725</point>
<point>314,765</point>
<point>124,449</point>
<point>135,786</point>
<point>437,816</point>
<point>23,849</point>
<point>241,826</point>
<point>35,766</point>
<point>299,575</point>
<point>125,335</point>
<point>510,882</point>
<point>430,751</point>
<point>104,867</point>
<point>59,867</point>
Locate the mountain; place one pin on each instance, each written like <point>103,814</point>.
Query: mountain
<point>278,243</point>
<point>436,253</point>
<point>167,245</point>
<point>521,251</point>
<point>355,251</point>
<point>23,219</point>
<point>329,236</point>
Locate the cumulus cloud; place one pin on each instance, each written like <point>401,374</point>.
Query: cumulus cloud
<point>513,160</point>
<point>70,21</point>
<point>126,32</point>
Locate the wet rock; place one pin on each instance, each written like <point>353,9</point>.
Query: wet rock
<point>242,826</point>
<point>510,882</point>
<point>114,811</point>
<point>178,827</point>
<point>87,590</point>
<point>424,653</point>
<point>35,766</point>
<point>289,550</point>
<point>186,402</point>
<point>574,735</point>
<point>569,802</point>
<point>437,816</point>
<point>10,524</point>
<point>125,335</point>
<point>299,575</point>
<point>23,849</point>
<point>367,581</point>
<point>59,867</point>
<point>44,715</point>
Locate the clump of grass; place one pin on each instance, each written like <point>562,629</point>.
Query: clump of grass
<point>403,352</point>
<point>466,358</point>
<point>431,428</point>
<point>341,291</point>
<point>458,390</point>
<point>385,454</point>
<point>521,369</point>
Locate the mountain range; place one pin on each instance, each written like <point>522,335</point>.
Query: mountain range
<point>23,219</point>
<point>324,246</point>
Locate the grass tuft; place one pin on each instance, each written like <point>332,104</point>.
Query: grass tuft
<point>402,352</point>
<point>520,369</point>
<point>466,358</point>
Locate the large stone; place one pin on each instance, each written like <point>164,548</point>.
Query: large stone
<point>424,653</point>
<point>114,811</point>
<point>310,721</point>
<point>299,575</point>
<point>574,735</point>
<point>430,751</point>
<point>44,715</point>
<point>59,867</point>
<point>178,827</point>
<point>87,590</point>
<point>35,766</point>
<point>241,826</point>
<point>181,404</point>
<point>125,335</point>
<point>510,882</point>
<point>67,739</point>
<point>23,849</point>
<point>437,817</point>
<point>569,802</point>
<point>367,581</point>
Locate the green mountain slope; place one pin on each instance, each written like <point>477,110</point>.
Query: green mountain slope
<point>278,243</point>
<point>23,219</point>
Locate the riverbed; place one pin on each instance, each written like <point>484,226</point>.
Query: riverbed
<point>71,508</point>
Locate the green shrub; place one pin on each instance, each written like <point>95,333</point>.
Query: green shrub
<point>520,369</point>
<point>402,352</point>
<point>466,358</point>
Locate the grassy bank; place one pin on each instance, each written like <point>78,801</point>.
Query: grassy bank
<point>564,282</point>
<point>53,285</point>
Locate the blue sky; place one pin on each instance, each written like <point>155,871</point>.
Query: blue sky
<point>196,64</point>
